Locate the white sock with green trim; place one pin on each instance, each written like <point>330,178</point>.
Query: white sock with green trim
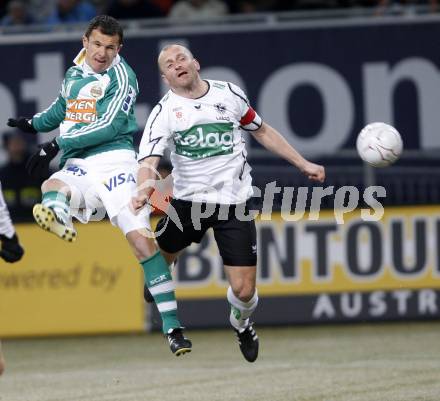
<point>59,203</point>
<point>241,311</point>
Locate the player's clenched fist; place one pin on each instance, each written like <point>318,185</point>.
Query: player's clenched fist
<point>138,202</point>
<point>314,172</point>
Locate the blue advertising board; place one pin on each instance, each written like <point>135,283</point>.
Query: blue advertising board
<point>317,85</point>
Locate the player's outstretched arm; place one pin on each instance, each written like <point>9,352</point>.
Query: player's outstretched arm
<point>146,180</point>
<point>273,141</point>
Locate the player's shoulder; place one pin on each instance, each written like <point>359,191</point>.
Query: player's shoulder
<point>237,93</point>
<point>125,68</point>
<point>235,89</point>
<point>218,85</point>
<point>162,105</point>
<point>228,87</point>
<point>166,100</point>
<point>72,71</point>
<point>120,73</point>
<point>224,86</point>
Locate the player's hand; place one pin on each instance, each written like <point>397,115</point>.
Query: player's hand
<point>22,123</point>
<point>138,202</point>
<point>38,164</point>
<point>11,251</point>
<point>314,172</point>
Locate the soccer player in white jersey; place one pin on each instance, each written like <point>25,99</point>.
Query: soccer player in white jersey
<point>94,112</point>
<point>10,251</point>
<point>202,121</point>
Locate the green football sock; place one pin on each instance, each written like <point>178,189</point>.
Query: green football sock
<point>161,285</point>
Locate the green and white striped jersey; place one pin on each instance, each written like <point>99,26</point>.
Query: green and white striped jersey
<point>94,111</point>
<point>205,136</point>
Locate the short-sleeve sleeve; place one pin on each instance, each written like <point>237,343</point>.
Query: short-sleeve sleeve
<point>249,119</point>
<point>156,133</point>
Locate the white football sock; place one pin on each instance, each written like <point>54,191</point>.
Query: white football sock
<point>241,311</point>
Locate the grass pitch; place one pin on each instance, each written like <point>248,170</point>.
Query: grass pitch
<point>381,362</point>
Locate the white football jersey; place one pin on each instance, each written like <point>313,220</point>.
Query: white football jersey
<point>205,136</point>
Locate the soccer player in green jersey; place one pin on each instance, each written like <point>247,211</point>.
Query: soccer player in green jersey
<point>94,112</point>
<point>202,122</point>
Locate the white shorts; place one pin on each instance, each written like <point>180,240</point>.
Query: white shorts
<point>102,183</point>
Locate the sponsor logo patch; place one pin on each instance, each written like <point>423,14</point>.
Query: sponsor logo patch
<point>96,91</point>
<point>131,96</point>
<point>205,140</point>
<point>220,107</point>
<point>118,180</point>
<point>76,171</point>
<point>81,111</point>
<point>218,85</point>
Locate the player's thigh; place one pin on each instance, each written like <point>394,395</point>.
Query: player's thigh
<point>115,188</point>
<point>237,242</point>
<point>77,178</point>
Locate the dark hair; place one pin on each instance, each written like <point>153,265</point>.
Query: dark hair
<point>107,25</point>
<point>7,136</point>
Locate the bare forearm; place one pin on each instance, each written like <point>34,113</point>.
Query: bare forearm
<point>147,175</point>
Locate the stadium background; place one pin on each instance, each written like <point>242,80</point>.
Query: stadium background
<point>319,81</point>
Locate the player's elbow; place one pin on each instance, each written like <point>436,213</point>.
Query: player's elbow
<point>262,133</point>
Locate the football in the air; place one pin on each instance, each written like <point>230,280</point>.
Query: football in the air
<point>379,144</point>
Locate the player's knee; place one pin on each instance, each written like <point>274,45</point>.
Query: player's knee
<point>247,293</point>
<point>244,292</point>
<point>143,248</point>
<point>45,186</point>
<point>49,185</point>
<point>55,185</point>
